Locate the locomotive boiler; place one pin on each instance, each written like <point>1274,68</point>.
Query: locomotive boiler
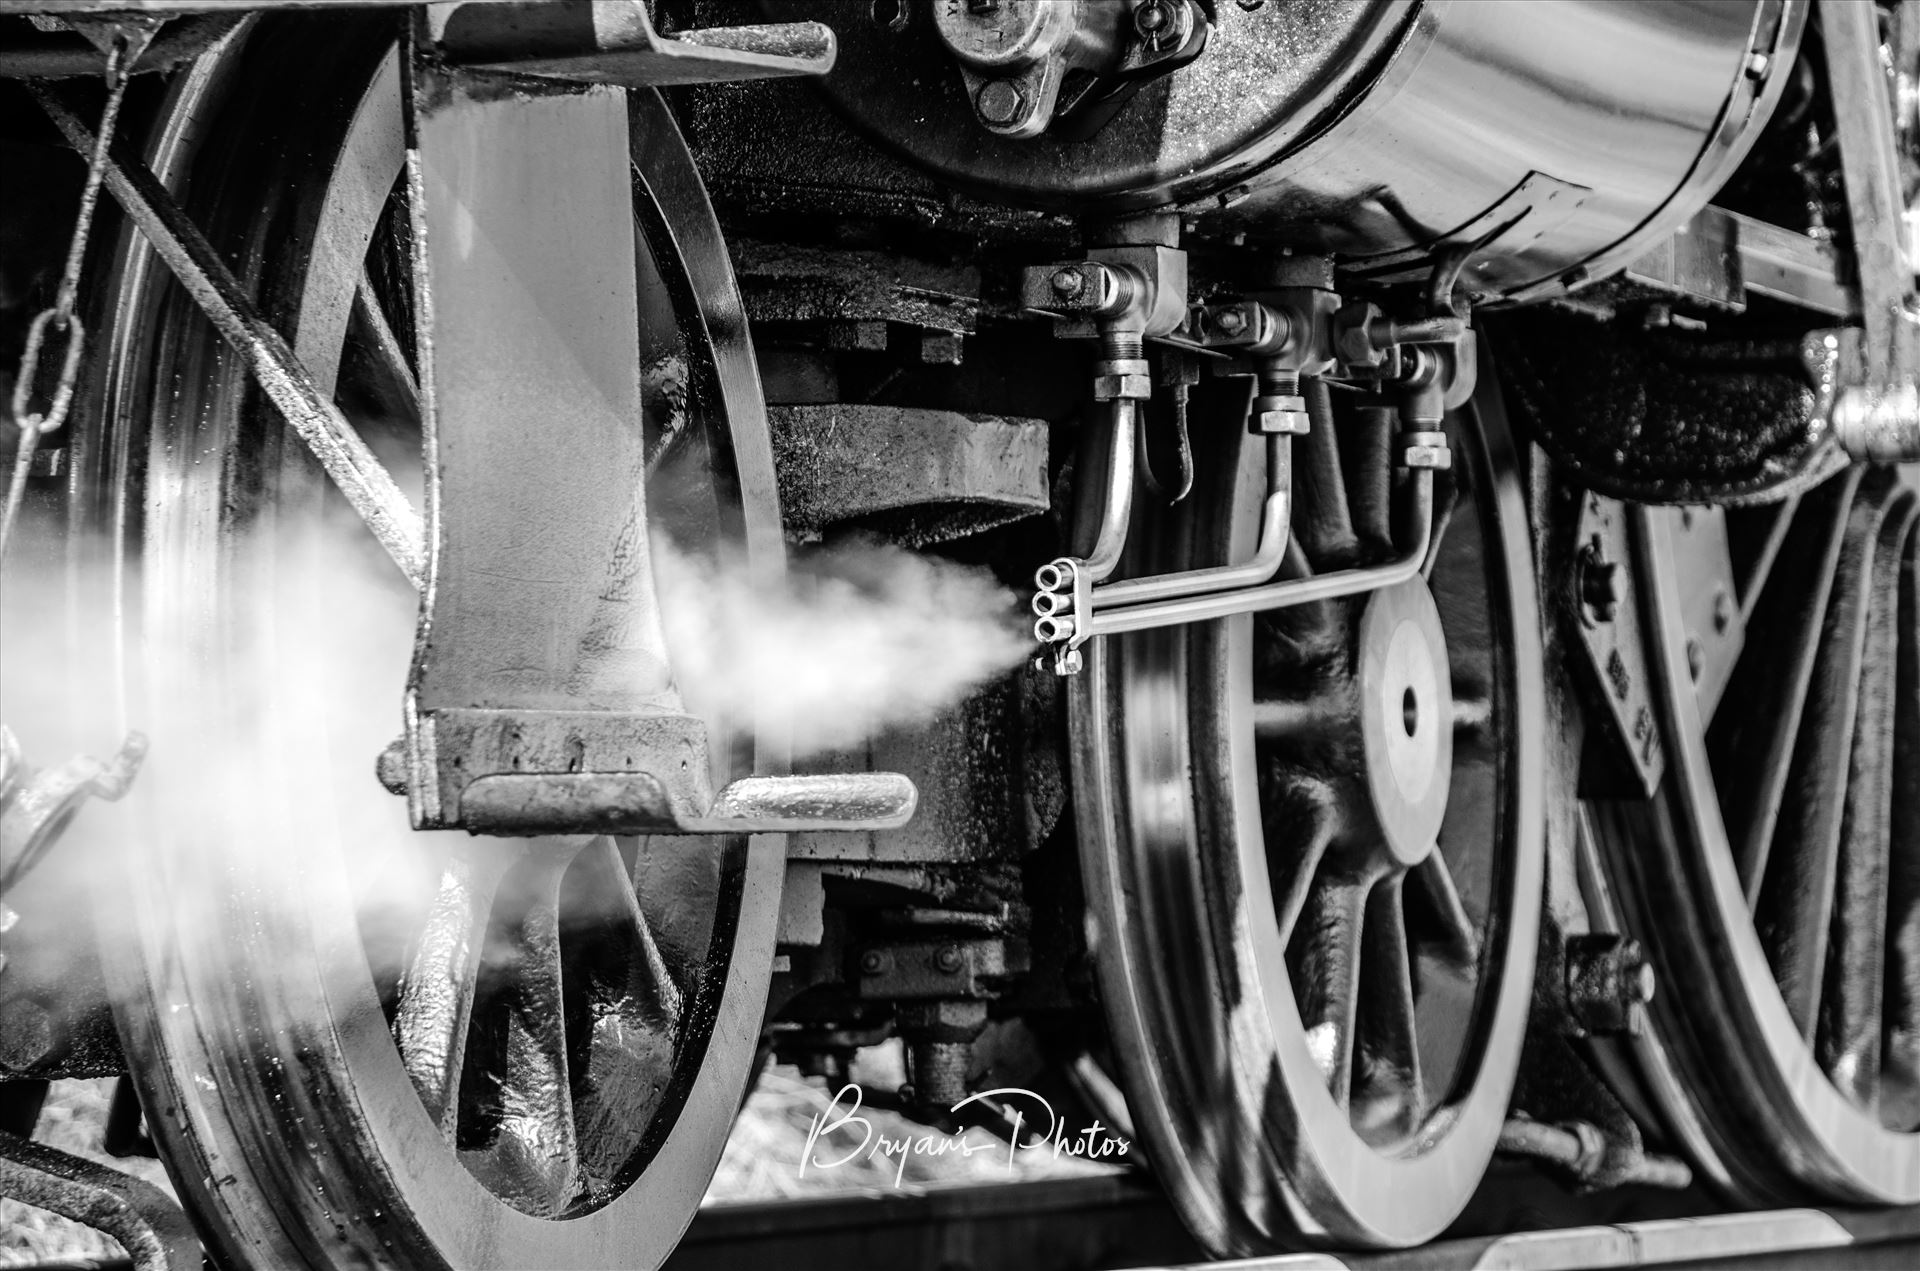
<point>1456,464</point>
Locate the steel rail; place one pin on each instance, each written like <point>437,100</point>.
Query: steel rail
<point>346,459</point>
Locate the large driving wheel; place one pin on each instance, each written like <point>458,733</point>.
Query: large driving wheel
<point>1313,842</point>
<point>1775,875</point>
<point>357,1045</point>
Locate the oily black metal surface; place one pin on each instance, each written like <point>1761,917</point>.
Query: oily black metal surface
<point>912,475</point>
<point>1664,416</point>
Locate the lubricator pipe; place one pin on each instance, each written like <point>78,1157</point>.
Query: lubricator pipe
<point>1275,519</point>
<point>1117,512</point>
<point>1285,592</point>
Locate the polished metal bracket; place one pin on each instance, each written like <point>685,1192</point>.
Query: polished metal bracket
<point>541,700</point>
<point>615,42</point>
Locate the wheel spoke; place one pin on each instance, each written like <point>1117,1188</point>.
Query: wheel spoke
<point>1391,1097</point>
<point>1322,522</point>
<point>1851,1006</point>
<point>1327,973</point>
<point>534,1161</point>
<point>1300,819</point>
<point>1796,899</point>
<point>1900,1069</point>
<point>634,1011</point>
<point>436,993</point>
<point>1755,569</point>
<point>1455,940</point>
<point>387,348</point>
<point>1754,746</point>
<point>1298,635</point>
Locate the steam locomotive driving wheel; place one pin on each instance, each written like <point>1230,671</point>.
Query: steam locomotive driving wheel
<point>1313,841</point>
<point>357,1044</point>
<point>1774,871</point>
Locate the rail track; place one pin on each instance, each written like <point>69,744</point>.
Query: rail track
<point>1123,1223</point>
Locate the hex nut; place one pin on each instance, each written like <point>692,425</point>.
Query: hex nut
<point>1293,423</point>
<point>999,102</point>
<point>1352,334</point>
<point>1107,388</point>
<point>1425,450</point>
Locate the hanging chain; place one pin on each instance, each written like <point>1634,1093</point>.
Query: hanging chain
<point>61,318</point>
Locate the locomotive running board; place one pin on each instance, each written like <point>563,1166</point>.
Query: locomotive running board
<point>541,699</point>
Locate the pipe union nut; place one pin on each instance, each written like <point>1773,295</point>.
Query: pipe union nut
<point>1425,450</point>
<point>1280,413</point>
<point>1107,388</point>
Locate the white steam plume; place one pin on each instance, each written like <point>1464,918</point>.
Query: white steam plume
<point>859,637</point>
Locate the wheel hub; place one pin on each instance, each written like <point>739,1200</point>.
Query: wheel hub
<point>1406,716</point>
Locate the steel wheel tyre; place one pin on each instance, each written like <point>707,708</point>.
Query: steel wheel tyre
<point>1775,876</point>
<point>1317,1016</point>
<point>357,1045</point>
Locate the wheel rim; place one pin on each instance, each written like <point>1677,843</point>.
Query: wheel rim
<point>1196,805</point>
<point>1784,892</point>
<point>260,1003</point>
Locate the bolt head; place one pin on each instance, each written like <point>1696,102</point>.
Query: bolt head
<point>1696,658</point>
<point>1151,18</point>
<point>873,962</point>
<point>948,960</point>
<point>1599,583</point>
<point>1230,321</point>
<point>1068,662</point>
<point>1722,610</point>
<point>1068,282</point>
<point>999,102</point>
<point>391,767</point>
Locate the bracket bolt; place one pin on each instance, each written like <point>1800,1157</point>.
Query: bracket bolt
<point>873,962</point>
<point>948,960</point>
<point>1068,282</point>
<point>1609,983</point>
<point>1231,321</point>
<point>391,767</point>
<point>999,102</point>
<point>1599,582</point>
<point>1722,610</point>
